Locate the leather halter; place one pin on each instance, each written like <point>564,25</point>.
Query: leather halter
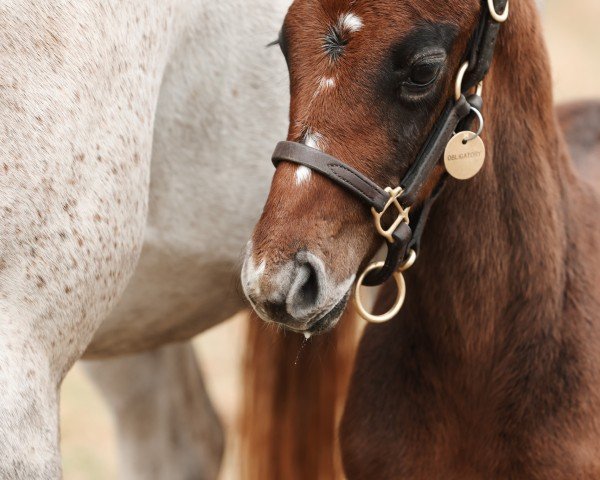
<point>401,239</point>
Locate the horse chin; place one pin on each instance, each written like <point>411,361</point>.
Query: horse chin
<point>327,322</point>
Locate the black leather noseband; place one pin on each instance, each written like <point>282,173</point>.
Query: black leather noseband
<point>405,238</point>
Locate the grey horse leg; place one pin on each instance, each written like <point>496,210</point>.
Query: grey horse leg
<point>29,429</point>
<point>166,424</point>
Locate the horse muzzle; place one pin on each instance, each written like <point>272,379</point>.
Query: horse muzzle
<point>298,294</point>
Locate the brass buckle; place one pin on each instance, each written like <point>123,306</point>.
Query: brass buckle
<point>402,214</point>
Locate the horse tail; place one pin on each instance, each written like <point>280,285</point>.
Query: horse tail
<point>294,394</point>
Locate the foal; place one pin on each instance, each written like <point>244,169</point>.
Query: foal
<point>491,370</point>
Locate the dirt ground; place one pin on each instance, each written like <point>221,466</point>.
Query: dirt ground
<point>88,443</point>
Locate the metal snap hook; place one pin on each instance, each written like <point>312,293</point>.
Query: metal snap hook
<point>474,135</point>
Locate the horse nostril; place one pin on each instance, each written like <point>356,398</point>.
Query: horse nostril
<point>310,290</point>
<point>305,291</point>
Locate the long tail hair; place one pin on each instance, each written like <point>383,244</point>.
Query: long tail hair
<point>294,393</point>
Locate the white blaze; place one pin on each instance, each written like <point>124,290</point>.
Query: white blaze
<point>313,140</point>
<point>326,83</point>
<point>350,22</point>
<point>302,174</point>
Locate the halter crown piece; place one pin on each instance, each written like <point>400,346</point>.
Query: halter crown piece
<point>403,236</point>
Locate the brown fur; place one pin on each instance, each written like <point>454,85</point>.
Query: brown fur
<point>492,368</point>
<point>580,122</point>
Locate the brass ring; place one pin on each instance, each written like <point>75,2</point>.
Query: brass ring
<point>474,135</point>
<point>410,261</point>
<point>499,18</point>
<point>459,80</point>
<point>401,285</point>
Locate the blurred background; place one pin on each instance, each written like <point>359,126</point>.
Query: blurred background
<point>88,443</point>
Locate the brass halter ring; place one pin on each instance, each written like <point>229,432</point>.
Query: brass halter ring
<point>400,296</point>
<point>500,18</point>
<point>479,131</point>
<point>459,81</point>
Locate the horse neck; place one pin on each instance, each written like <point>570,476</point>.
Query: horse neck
<point>493,259</point>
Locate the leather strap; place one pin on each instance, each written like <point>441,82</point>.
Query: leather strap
<point>483,44</point>
<point>420,171</point>
<point>418,219</point>
<point>364,188</point>
<point>396,253</point>
<point>422,215</point>
<point>342,174</point>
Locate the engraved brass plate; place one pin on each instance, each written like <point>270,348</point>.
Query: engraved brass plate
<point>462,159</point>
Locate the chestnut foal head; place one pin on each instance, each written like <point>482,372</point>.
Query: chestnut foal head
<point>368,81</point>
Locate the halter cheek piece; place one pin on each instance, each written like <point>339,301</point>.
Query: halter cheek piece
<point>402,241</point>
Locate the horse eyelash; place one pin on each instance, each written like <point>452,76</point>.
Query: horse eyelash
<point>273,43</point>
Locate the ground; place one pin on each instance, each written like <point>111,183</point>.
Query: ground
<point>87,433</point>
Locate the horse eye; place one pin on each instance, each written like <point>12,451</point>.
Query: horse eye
<point>423,74</point>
